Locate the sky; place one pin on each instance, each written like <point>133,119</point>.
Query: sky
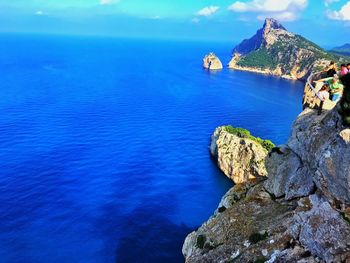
<point>327,22</point>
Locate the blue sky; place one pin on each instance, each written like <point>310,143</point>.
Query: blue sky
<point>326,22</point>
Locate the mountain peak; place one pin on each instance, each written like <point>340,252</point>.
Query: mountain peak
<point>274,50</point>
<point>271,23</point>
<point>261,37</point>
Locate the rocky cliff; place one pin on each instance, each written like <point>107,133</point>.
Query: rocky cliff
<point>299,214</point>
<point>239,155</point>
<point>273,50</point>
<point>212,62</point>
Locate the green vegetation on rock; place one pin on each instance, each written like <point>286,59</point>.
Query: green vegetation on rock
<point>261,259</point>
<point>222,209</point>
<point>345,102</point>
<point>201,239</point>
<point>259,58</point>
<point>257,237</point>
<point>243,133</point>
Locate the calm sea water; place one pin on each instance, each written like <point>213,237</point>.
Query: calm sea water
<point>104,144</point>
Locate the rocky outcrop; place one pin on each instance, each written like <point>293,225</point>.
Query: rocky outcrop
<point>299,214</point>
<point>321,142</point>
<point>263,36</point>
<point>321,229</point>
<point>275,51</point>
<point>212,62</point>
<point>287,175</point>
<point>240,159</point>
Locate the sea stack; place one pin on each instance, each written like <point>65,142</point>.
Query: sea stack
<point>212,62</point>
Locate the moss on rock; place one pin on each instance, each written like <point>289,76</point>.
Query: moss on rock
<point>243,133</point>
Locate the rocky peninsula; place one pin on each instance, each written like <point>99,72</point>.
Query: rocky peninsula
<point>212,62</point>
<point>275,51</point>
<point>291,203</point>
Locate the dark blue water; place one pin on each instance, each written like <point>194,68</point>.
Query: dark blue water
<point>104,144</point>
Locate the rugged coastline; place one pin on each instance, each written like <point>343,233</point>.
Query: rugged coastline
<point>300,213</point>
<point>275,51</point>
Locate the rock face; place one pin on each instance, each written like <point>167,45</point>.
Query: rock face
<point>322,144</point>
<point>273,50</point>
<point>212,62</point>
<point>287,175</point>
<point>263,36</point>
<point>301,213</point>
<point>240,159</point>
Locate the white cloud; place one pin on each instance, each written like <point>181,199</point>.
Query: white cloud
<point>284,10</point>
<point>39,13</point>
<point>108,2</point>
<point>284,16</point>
<point>268,5</point>
<point>329,2</point>
<point>208,11</point>
<point>343,14</point>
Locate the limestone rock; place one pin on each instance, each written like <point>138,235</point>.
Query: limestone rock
<point>248,227</point>
<point>322,230</point>
<point>259,228</point>
<point>236,193</point>
<point>257,40</point>
<point>240,159</point>
<point>287,176</point>
<point>322,143</point>
<point>255,223</point>
<point>212,62</point>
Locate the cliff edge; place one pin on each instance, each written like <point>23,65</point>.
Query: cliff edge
<point>301,213</point>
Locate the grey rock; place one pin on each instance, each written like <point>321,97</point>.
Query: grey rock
<point>309,225</point>
<point>322,143</point>
<point>322,230</point>
<point>240,159</point>
<point>287,176</point>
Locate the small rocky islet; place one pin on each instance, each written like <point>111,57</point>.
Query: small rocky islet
<point>212,62</point>
<point>290,203</point>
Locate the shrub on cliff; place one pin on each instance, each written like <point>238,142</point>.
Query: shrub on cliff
<point>243,133</point>
<point>345,102</point>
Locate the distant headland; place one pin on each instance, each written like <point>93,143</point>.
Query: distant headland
<point>275,51</point>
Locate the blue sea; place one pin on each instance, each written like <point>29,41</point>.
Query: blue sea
<point>104,144</point>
